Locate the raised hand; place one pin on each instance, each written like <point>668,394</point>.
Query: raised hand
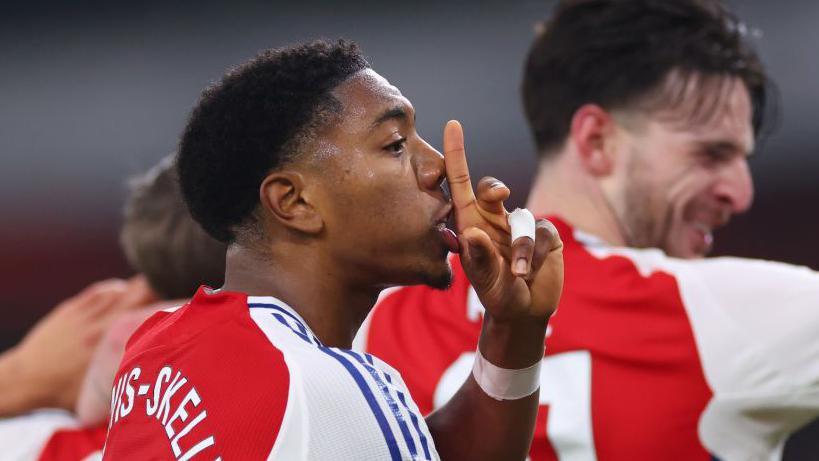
<point>51,360</point>
<point>513,280</point>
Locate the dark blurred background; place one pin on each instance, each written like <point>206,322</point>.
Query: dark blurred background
<point>92,93</point>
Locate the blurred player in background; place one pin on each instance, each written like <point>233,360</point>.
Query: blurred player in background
<point>46,369</point>
<point>644,113</point>
<point>42,376</point>
<point>160,240</point>
<point>173,256</point>
<point>308,163</point>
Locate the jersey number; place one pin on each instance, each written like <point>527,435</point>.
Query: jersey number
<point>565,389</point>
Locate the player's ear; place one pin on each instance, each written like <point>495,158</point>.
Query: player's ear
<point>284,195</point>
<point>592,133</point>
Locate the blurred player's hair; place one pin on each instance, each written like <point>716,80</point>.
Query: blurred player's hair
<point>162,241</point>
<point>620,55</point>
<point>257,118</point>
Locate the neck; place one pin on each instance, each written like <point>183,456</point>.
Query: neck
<point>332,308</point>
<point>563,188</point>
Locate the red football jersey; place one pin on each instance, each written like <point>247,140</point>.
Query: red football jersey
<point>75,444</point>
<point>232,377</point>
<point>647,358</point>
<point>194,381</point>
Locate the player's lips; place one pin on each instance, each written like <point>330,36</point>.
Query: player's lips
<point>702,233</point>
<point>445,214</point>
<point>700,225</point>
<point>702,238</point>
<point>447,235</point>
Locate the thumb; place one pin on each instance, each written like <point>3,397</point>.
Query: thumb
<point>479,258</point>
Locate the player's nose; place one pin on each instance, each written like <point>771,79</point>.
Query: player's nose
<point>429,167</point>
<point>736,187</point>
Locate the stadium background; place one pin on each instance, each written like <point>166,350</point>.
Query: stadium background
<point>95,92</point>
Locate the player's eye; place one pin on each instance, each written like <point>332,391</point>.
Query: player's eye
<point>397,148</point>
<point>718,155</point>
<point>711,157</point>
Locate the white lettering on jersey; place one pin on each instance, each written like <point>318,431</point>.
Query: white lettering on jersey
<point>152,405</point>
<point>129,393</point>
<point>115,401</point>
<point>159,407</point>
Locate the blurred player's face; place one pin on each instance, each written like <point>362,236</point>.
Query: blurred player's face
<point>679,176</point>
<point>381,194</point>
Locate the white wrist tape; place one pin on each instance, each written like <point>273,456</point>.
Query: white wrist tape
<point>503,383</point>
<point>522,223</point>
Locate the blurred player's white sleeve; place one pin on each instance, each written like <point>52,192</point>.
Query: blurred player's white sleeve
<point>22,438</point>
<point>756,324</point>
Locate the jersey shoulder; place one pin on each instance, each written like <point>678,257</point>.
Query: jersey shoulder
<point>347,404</point>
<point>201,379</point>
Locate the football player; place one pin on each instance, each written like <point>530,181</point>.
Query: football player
<point>307,162</point>
<point>644,114</point>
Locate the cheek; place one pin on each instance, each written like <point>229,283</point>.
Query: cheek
<point>383,210</point>
<point>378,197</point>
<point>690,191</point>
<point>683,186</point>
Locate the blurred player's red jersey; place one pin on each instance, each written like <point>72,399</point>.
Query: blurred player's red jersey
<point>74,444</point>
<point>647,358</point>
<point>232,377</point>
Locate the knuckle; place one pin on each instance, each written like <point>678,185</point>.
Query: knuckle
<point>460,178</point>
<point>524,243</point>
<point>546,228</point>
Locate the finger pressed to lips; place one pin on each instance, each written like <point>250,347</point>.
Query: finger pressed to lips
<point>457,170</point>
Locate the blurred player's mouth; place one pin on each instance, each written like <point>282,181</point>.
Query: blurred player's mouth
<point>701,238</point>
<point>443,228</point>
<point>700,229</point>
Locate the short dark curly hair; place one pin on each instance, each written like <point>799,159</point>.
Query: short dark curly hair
<point>254,121</point>
<point>614,52</point>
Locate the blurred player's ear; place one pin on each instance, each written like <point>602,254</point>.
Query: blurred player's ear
<point>284,197</point>
<point>592,133</point>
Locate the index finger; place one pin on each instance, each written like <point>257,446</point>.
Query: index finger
<point>457,171</point>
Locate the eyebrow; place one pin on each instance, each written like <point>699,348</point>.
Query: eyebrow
<point>726,146</point>
<point>395,113</point>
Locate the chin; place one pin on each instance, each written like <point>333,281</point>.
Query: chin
<point>439,277</point>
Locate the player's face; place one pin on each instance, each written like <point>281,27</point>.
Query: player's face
<point>683,177</point>
<point>381,189</point>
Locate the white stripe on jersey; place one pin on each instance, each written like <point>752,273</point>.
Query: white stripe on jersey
<point>755,324</point>
<point>349,405</point>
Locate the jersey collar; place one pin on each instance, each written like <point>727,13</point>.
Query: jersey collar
<point>266,301</point>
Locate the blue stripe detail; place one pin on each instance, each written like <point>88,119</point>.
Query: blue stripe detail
<point>290,327</point>
<point>424,443</point>
<point>414,418</point>
<point>281,310</point>
<point>386,430</point>
<point>392,444</point>
<point>385,391</point>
